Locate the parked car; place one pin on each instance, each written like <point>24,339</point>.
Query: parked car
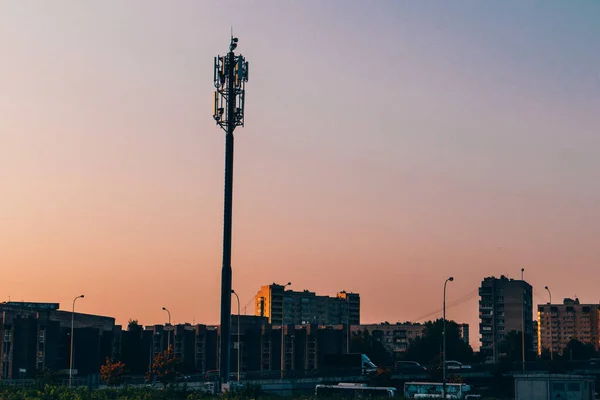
<point>409,367</point>
<point>455,365</point>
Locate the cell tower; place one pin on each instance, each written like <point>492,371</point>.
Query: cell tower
<point>231,75</point>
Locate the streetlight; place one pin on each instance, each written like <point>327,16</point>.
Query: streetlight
<point>168,332</point>
<point>282,330</point>
<point>72,333</point>
<point>551,339</point>
<point>523,322</point>
<point>238,334</point>
<point>444,342</point>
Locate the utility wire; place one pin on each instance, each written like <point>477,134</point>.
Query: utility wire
<point>453,303</point>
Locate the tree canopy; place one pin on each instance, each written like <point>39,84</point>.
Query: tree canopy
<point>427,348</point>
<point>164,366</point>
<point>112,372</point>
<point>133,352</point>
<point>511,348</point>
<point>370,344</point>
<point>577,351</point>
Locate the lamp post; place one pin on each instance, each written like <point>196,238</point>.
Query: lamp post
<point>523,322</point>
<point>168,332</point>
<point>550,314</point>
<point>230,77</point>
<point>72,333</point>
<point>444,342</point>
<point>283,330</point>
<point>238,334</point>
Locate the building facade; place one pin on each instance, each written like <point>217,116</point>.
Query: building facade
<point>463,330</point>
<point>396,338</point>
<point>305,307</point>
<point>559,323</point>
<point>304,347</point>
<point>535,345</point>
<point>259,344</point>
<point>505,305</point>
<point>35,336</point>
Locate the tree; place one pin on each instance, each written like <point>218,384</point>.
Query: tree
<point>510,348</point>
<point>45,376</point>
<point>365,343</point>
<point>383,377</point>
<point>164,367</point>
<point>545,354</point>
<point>577,351</point>
<point>133,325</point>
<point>134,354</point>
<point>427,349</point>
<point>112,372</point>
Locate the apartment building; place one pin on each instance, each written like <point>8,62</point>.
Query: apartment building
<point>535,345</point>
<point>38,335</point>
<point>303,346</point>
<point>305,307</point>
<point>396,338</point>
<point>463,331</point>
<point>505,305</point>
<point>559,323</point>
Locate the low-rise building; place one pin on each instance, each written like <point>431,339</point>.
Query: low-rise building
<point>34,336</point>
<point>396,338</point>
<point>554,386</point>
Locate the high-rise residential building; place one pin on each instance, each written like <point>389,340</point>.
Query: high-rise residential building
<point>305,307</point>
<point>505,305</point>
<point>559,323</point>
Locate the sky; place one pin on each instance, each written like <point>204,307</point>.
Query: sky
<point>388,145</point>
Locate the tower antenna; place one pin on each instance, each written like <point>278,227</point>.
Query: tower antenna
<point>230,77</point>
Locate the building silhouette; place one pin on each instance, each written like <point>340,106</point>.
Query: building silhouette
<point>305,307</point>
<point>34,336</point>
<point>197,347</point>
<point>505,305</point>
<point>463,331</point>
<point>559,323</point>
<point>396,338</point>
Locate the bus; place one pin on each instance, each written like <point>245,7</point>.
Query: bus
<point>433,390</point>
<point>354,391</point>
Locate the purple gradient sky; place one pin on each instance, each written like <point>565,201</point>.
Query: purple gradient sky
<point>387,146</point>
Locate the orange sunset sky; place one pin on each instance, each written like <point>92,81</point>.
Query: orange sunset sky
<point>388,145</point>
